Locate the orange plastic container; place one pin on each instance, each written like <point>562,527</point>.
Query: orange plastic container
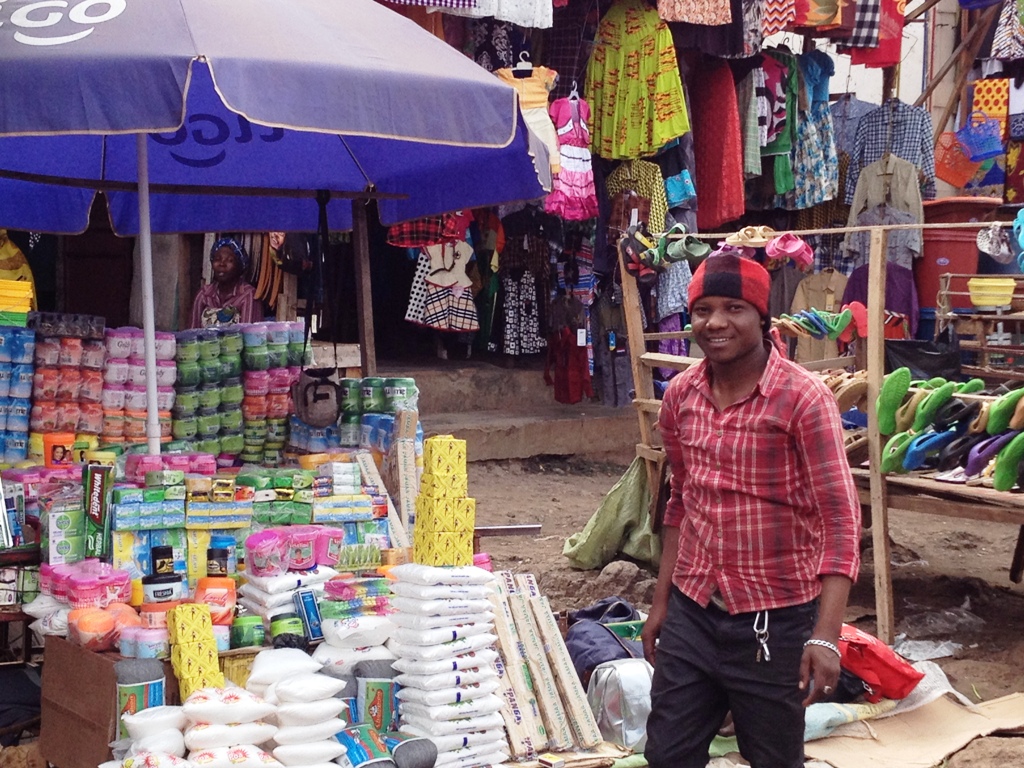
<point>57,449</point>
<point>218,592</point>
<point>949,250</point>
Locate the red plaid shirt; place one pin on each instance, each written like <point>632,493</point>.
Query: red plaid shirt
<point>761,492</point>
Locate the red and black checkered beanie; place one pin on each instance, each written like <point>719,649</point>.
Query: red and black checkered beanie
<point>728,275</point>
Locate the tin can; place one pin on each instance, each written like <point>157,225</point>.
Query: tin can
<point>351,395</point>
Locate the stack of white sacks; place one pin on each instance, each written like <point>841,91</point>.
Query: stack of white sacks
<point>308,712</point>
<point>217,727</point>
<point>350,641</point>
<point>267,596</point>
<point>444,643</point>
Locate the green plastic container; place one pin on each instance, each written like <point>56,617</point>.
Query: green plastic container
<point>209,344</point>
<point>351,396</point>
<point>209,396</point>
<point>231,342</point>
<point>373,395</point>
<point>401,395</point>
<point>247,632</point>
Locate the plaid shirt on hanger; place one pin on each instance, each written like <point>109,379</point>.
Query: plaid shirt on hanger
<point>900,129</point>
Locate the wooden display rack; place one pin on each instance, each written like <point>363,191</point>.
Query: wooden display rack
<point>974,329</point>
<point>878,493</point>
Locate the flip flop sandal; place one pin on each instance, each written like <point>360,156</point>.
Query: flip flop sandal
<point>982,453</point>
<point>671,249</point>
<point>955,475</point>
<point>956,412</point>
<point>907,413</point>
<point>894,451</point>
<point>955,453</point>
<point>1007,464</point>
<point>696,250</point>
<point>980,423</point>
<point>923,446</point>
<point>857,451</point>
<point>1002,410</point>
<point>970,387</point>
<point>1017,420</point>
<point>788,327</point>
<point>851,393</point>
<point>860,317</point>
<point>935,383</point>
<point>796,329</point>
<point>838,323</point>
<point>818,328</point>
<point>893,390</point>
<point>930,405</point>
<point>837,380</point>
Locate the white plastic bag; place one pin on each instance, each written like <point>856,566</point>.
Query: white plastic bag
<point>483,658</point>
<point>415,621</point>
<point>307,687</point>
<point>482,706</point>
<point>431,575</point>
<point>341,662</point>
<point>309,753</point>
<point>212,735</point>
<point>301,734</point>
<point>147,722</point>
<point>223,706</point>
<point>447,695</point>
<point>439,607</point>
<point>438,636</point>
<point>309,713</point>
<point>443,592</point>
<point>272,665</point>
<point>445,650</point>
<point>447,679</point>
<point>358,631</point>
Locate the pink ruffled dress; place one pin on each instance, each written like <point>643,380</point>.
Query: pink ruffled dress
<point>573,197</point>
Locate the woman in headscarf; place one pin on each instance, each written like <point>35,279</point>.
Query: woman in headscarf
<point>229,298</point>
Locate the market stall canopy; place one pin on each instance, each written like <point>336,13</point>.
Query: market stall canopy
<point>252,104</point>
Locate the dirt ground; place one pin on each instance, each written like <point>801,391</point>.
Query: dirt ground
<point>951,577</point>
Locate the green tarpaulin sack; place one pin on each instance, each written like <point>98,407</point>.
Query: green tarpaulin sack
<point>621,524</point>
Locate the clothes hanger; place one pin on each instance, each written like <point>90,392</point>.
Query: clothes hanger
<point>574,94</point>
<point>523,67</point>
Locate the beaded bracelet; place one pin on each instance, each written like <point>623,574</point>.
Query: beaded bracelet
<point>824,644</point>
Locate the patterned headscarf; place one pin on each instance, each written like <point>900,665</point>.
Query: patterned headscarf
<point>239,251</point>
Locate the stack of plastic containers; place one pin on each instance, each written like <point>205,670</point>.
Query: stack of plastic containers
<point>124,399</point>
<point>271,359</point>
<point>206,413</point>
<point>67,384</point>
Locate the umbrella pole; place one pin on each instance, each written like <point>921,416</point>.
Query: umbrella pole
<point>148,311</point>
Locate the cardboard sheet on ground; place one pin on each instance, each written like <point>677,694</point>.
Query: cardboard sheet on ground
<point>921,738</point>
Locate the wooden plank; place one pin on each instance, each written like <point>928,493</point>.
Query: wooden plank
<point>978,30</point>
<point>643,379</point>
<point>902,502</point>
<point>399,537</point>
<point>526,529</point>
<point>660,360</point>
<point>846,361</point>
<point>364,296</point>
<point>650,452</point>
<point>876,373</point>
<point>667,335</point>
<point>959,493</point>
<point>649,405</point>
<point>581,716</point>
<point>548,697</point>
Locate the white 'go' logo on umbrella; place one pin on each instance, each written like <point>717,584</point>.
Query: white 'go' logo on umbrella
<point>40,16</point>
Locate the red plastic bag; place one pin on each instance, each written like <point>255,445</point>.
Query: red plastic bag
<point>887,674</point>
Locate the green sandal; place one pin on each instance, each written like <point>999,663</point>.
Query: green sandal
<point>895,450</point>
<point>893,390</point>
<point>1001,412</point>
<point>970,387</point>
<point>930,405</point>
<point>837,322</point>
<point>1007,461</point>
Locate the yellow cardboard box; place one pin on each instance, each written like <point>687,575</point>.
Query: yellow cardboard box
<point>190,623</point>
<point>440,549</point>
<point>444,486</point>
<point>194,659</point>
<point>189,685</point>
<point>444,455</point>
<point>446,515</point>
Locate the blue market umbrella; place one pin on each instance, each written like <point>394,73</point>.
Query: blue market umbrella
<point>235,113</point>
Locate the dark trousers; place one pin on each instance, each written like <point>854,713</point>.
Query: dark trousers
<point>707,665</point>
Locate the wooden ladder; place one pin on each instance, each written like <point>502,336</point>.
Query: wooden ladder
<point>647,404</point>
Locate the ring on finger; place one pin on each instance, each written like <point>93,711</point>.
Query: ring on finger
<point>827,690</point>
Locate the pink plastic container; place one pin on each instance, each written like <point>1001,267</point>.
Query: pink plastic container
<point>61,574</point>
<point>256,383</point>
<point>136,372</point>
<point>202,463</point>
<point>94,354</point>
<point>85,591</point>
<point>91,390</point>
<point>329,542</point>
<point>135,397</point>
<point>46,579</point>
<point>137,465</point>
<point>116,586</point>
<point>119,341</point>
<point>178,461</point>
<point>116,371</point>
<point>113,397</point>
<point>166,373</point>
<point>264,553</point>
<point>166,345</point>
<point>164,398</point>
<point>483,560</point>
<point>301,552</point>
<point>280,381</point>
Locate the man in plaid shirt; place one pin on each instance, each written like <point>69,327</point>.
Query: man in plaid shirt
<point>760,537</point>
